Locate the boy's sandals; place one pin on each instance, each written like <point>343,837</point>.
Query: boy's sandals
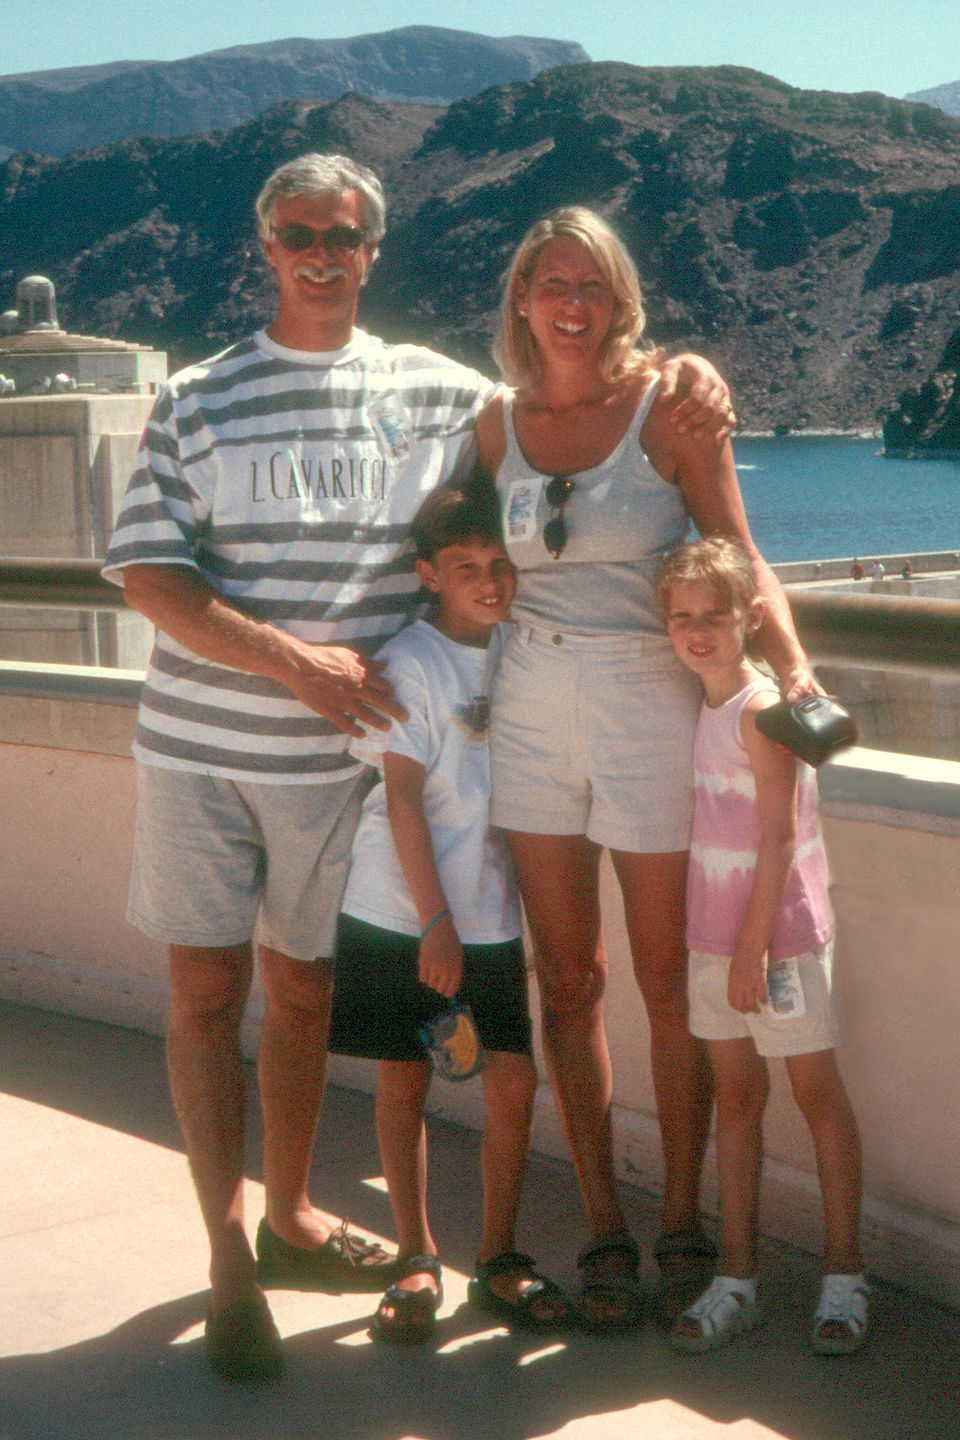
<point>611,1298</point>
<point>409,1317</point>
<point>687,1260</point>
<point>727,1307</point>
<point>840,1319</point>
<point>540,1306</point>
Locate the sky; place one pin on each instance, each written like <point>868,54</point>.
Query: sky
<point>895,46</point>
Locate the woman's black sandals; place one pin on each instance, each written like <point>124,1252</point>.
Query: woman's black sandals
<point>409,1317</point>
<point>611,1296</point>
<point>687,1261</point>
<point>540,1305</point>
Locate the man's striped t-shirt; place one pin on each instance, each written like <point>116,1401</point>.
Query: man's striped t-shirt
<point>287,481</point>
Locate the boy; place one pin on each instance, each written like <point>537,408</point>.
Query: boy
<point>760,934</point>
<point>431,912</point>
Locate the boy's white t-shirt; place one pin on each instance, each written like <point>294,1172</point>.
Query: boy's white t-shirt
<point>446,688</point>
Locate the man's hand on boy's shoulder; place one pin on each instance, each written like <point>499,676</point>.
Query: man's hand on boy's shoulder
<point>341,685</point>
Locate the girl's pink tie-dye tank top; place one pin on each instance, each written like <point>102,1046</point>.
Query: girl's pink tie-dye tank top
<point>726,833</point>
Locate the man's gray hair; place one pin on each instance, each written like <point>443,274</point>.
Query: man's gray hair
<point>315,174</point>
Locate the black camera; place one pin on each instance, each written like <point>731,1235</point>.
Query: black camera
<point>814,728</point>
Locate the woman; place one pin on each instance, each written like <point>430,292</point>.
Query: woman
<point>593,717</point>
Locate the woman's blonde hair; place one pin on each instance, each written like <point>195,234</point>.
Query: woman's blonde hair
<point>514,348</point>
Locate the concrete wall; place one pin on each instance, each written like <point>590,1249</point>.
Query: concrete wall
<point>64,465</point>
<point>835,573</point>
<point>909,710</point>
<point>892,826</point>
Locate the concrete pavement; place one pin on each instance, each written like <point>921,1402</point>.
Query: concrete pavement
<point>103,1259</point>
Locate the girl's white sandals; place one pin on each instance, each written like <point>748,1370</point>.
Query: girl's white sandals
<point>844,1301</point>
<point>726,1308</point>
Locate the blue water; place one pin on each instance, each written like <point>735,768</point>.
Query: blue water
<point>818,498</point>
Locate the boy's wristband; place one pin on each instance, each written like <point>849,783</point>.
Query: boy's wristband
<point>441,915</point>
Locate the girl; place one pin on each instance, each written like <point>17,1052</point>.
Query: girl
<point>760,935</point>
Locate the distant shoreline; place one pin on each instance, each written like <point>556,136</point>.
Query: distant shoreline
<point>917,452</point>
<point>809,435</point>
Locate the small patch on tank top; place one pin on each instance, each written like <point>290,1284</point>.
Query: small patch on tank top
<point>521,513</point>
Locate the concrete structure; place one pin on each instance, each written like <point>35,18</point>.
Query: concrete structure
<point>39,361</point>
<point>892,825</point>
<point>72,408</point>
<point>64,465</point>
<point>834,574</point>
<point>914,709</point>
<point>36,356</point>
<point>907,706</point>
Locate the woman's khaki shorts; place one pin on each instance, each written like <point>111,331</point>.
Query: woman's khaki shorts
<point>593,735</point>
<point>215,859</point>
<point>820,1027</point>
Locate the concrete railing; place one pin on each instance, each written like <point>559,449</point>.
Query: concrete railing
<point>893,659</point>
<point>892,824</point>
<point>858,626</point>
<point>58,584</point>
<point>890,628</point>
<point>923,563</point>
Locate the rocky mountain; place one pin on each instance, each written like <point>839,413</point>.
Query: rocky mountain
<point>808,242</point>
<point>945,97</point>
<point>56,111</point>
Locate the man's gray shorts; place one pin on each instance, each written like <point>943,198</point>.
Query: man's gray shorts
<point>215,860</point>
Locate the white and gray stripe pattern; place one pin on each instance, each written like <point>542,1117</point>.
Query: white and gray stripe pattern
<point>287,481</point>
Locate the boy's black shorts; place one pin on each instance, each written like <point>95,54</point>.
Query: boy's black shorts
<point>379,1004</point>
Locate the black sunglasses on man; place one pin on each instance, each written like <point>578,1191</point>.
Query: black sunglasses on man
<point>297,236</point>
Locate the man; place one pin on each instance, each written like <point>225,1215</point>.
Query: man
<point>262,533</point>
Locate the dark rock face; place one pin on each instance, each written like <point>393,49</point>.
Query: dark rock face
<point>807,242</point>
<point>62,110</point>
<point>927,420</point>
